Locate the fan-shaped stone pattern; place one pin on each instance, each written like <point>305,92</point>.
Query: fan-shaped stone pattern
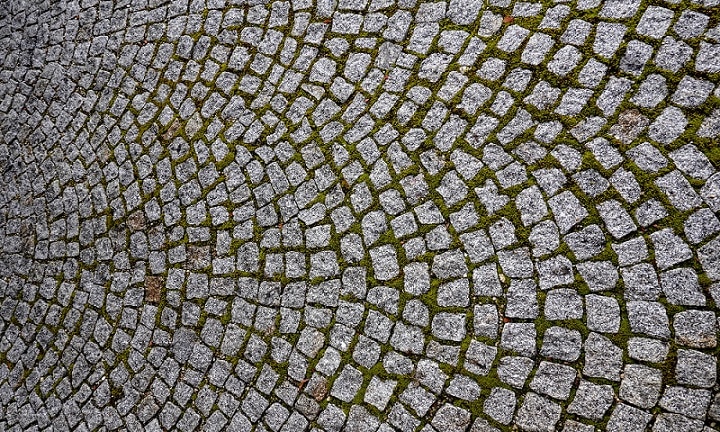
<point>359,215</point>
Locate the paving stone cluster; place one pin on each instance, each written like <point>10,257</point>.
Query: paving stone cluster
<point>359,215</point>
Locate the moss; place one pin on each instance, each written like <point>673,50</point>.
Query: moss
<point>116,393</point>
<point>140,133</point>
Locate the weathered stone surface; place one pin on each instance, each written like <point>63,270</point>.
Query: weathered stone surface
<point>359,215</point>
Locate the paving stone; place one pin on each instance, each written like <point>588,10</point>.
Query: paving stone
<point>514,370</point>
<point>646,349</point>
<point>366,352</point>
<point>709,257</point>
<point>347,384</point>
<point>486,281</point>
<point>522,299</point>
<point>647,157</point>
<point>608,38</point>
<point>451,418</point>
<point>669,248</point>
<point>681,287</point>
<point>512,38</point>
<point>479,358</point>
<point>561,344</point>
<point>516,263</point>
<point>636,55</point>
<point>449,264</point>
<point>713,411</point>
<point>331,418</point>
<point>545,238</point>
<point>695,368</point>
<point>695,328</point>
<point>454,293</point>
<point>650,212</point>
<point>359,419</point>
<point>603,314</point>
<point>463,12</point>
<point>502,233</point>
<point>537,48</point>
<point>477,245</point>
<point>628,418</point>
<point>573,426</point>
<point>586,243</point>
<point>563,304</point>
<point>591,182</point>
<point>668,422</point>
<point>631,123</point>
<point>591,401</point>
<point>641,386</point>
<point>543,97</point>
<point>690,24</point>
<point>602,358</point>
<point>655,22</point>
<point>692,92</point>
<point>449,326</point>
<point>485,320</point>
<point>705,58</point>
<point>692,403</point>
<point>668,126</point>
<point>631,251</point>
<point>408,339</point>
<point>416,313</point>
<point>565,60</point>
<point>385,262</point>
<point>418,398</point>
<point>431,375</point>
<point>599,275</point>
<point>464,387</point>
<point>538,413</point>
<point>378,392</point>
<point>554,380</point>
<point>519,337</point>
<point>649,318</point>
<point>567,211</point>
<point>417,278</point>
<point>673,54</point>
<point>641,282</point>
<point>500,405</point>
<point>617,221</point>
<point>555,271</point>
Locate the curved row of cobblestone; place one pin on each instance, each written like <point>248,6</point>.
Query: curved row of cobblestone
<point>359,215</point>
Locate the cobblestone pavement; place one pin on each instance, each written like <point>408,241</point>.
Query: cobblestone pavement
<point>359,215</point>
